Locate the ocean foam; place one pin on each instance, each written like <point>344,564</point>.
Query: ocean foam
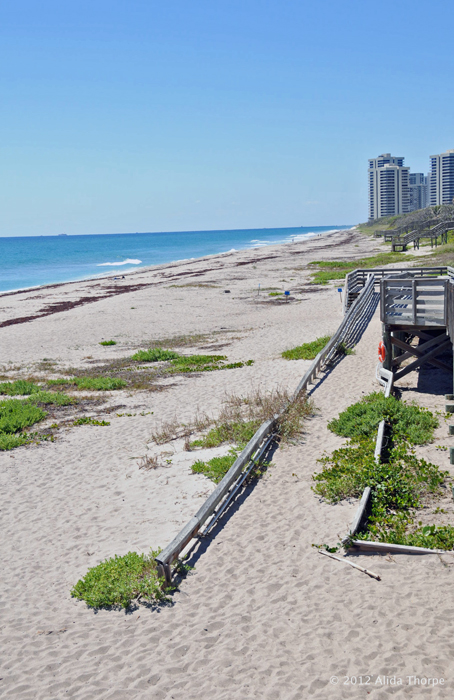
<point>116,264</point>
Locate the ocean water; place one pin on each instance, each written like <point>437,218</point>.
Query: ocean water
<point>36,260</point>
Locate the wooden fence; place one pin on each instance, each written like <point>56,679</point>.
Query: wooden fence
<point>345,334</point>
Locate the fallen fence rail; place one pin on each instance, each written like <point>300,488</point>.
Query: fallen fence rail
<point>230,484</point>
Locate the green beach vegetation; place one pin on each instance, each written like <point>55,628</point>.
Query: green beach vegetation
<point>180,364</point>
<point>91,383</point>
<point>401,484</point>
<point>239,420</point>
<point>306,351</point>
<point>20,387</point>
<point>18,414</point>
<point>117,581</point>
<point>329,270</point>
<point>108,342</point>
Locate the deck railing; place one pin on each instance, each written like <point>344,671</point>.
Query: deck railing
<point>413,302</point>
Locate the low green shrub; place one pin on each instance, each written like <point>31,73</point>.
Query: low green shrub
<point>18,388</point>
<point>107,342</point>
<point>120,580</point>
<point>306,351</point>
<point>9,442</point>
<point>15,415</point>
<point>408,421</point>
<point>399,485</point>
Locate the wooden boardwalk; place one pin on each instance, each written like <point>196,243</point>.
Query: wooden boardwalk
<point>417,313</point>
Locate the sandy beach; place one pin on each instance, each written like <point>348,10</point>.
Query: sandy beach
<point>262,614</point>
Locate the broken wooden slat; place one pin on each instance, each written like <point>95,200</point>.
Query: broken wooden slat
<point>384,547</point>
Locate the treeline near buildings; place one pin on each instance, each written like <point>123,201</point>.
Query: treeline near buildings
<point>429,216</point>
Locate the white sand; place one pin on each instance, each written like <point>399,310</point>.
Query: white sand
<point>263,615</point>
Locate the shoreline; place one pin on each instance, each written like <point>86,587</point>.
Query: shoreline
<point>304,238</point>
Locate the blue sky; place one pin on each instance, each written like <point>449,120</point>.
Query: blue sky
<point>152,116</point>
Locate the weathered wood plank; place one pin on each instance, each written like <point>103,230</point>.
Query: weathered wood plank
<point>369,546</point>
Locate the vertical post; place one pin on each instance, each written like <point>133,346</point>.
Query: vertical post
<point>382,300</point>
<point>413,300</point>
<point>388,347</point>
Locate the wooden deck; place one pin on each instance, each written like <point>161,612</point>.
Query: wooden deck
<point>417,313</point>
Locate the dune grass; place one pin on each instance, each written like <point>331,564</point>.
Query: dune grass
<point>306,351</point>
<point>107,342</point>
<point>239,420</point>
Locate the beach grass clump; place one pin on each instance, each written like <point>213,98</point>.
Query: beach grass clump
<point>107,342</point>
<point>238,432</point>
<point>91,383</point>
<point>155,355</point>
<point>408,421</point>
<point>306,351</point>
<point>120,580</point>
<point>239,420</point>
<point>20,387</point>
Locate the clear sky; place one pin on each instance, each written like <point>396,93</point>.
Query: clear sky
<point>132,116</point>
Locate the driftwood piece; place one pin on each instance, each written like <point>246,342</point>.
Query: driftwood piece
<point>355,566</point>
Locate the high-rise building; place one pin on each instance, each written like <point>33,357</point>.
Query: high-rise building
<point>442,178</point>
<point>388,186</point>
<point>418,191</point>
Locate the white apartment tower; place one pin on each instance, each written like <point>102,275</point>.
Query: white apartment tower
<point>442,178</point>
<point>388,187</point>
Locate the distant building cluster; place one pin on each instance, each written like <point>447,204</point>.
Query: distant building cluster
<point>393,189</point>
